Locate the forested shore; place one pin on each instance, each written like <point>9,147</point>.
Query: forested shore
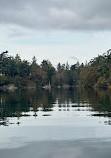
<point>22,73</point>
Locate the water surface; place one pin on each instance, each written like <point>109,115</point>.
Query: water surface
<point>77,120</point>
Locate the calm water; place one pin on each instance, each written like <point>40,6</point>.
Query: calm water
<point>57,123</point>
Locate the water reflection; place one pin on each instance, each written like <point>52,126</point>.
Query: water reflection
<point>57,103</point>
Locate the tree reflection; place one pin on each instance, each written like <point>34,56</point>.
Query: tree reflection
<point>21,102</point>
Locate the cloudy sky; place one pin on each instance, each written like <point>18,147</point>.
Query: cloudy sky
<point>58,30</point>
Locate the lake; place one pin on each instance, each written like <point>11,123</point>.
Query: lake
<point>55,123</point>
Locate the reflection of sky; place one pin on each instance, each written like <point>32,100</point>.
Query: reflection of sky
<point>59,115</point>
<point>60,108</point>
<point>65,120</point>
<point>19,136</point>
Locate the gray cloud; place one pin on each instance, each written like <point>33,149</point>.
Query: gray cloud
<point>57,14</point>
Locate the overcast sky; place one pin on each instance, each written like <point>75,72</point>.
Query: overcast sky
<point>58,30</point>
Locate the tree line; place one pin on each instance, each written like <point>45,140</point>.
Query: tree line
<point>14,70</point>
<point>21,73</point>
<point>97,73</point>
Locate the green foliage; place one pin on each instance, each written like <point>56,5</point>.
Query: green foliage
<point>48,69</point>
<point>97,72</point>
<point>88,76</point>
<point>14,70</point>
<point>66,75</point>
<point>22,73</point>
<point>4,80</point>
<point>101,82</point>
